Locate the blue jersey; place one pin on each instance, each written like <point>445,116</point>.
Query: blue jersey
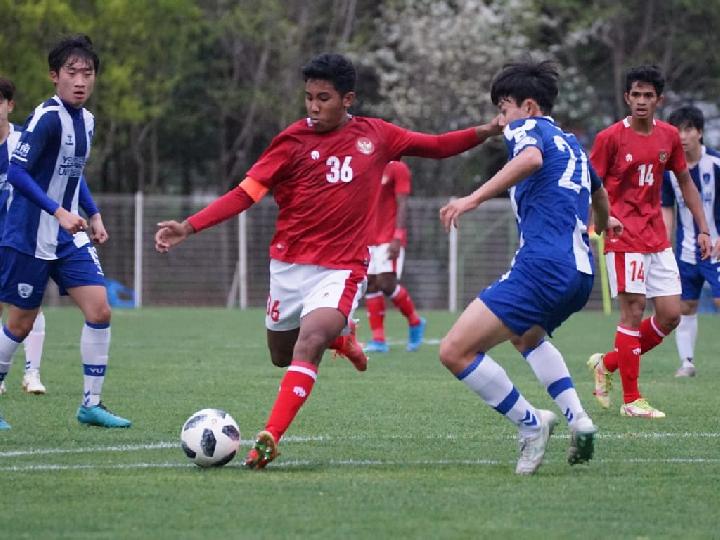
<point>6,150</point>
<point>552,204</point>
<point>706,177</point>
<point>53,150</point>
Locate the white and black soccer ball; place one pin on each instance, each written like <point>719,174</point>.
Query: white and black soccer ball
<point>210,438</point>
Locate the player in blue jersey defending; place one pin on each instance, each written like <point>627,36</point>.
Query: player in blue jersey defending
<point>551,277</point>
<point>44,237</point>
<point>704,166</point>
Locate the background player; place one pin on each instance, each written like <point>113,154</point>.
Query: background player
<point>44,236</point>
<point>631,156</point>
<point>387,257</point>
<point>325,173</point>
<point>704,166</point>
<point>551,275</point>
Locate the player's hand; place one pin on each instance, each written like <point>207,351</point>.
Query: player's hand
<point>716,251</point>
<point>171,233</point>
<point>705,245</point>
<point>72,223</point>
<point>451,212</point>
<point>614,226</point>
<point>98,233</point>
<point>394,249</point>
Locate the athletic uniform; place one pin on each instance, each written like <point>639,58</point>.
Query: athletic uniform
<point>552,273</point>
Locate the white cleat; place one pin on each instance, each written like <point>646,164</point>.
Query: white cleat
<point>686,370</point>
<point>31,382</point>
<point>3,388</point>
<point>532,447</point>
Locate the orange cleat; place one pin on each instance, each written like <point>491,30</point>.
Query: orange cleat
<point>263,451</point>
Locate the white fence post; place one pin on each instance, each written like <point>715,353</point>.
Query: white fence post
<point>452,270</point>
<point>242,261</point>
<point>138,277</point>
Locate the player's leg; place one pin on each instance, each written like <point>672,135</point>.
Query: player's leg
<point>686,336</point>
<point>463,353</point>
<point>664,287</point>
<point>402,300</point>
<point>3,389</point>
<point>281,345</point>
<point>375,306</point>
<point>33,344</point>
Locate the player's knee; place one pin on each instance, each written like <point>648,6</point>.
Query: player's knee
<point>669,321</point>
<point>280,358</point>
<point>19,328</point>
<point>99,315</point>
<point>449,353</point>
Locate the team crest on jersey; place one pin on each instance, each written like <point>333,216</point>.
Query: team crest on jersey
<point>25,290</point>
<point>662,156</point>
<point>22,150</point>
<point>706,178</point>
<point>628,157</point>
<point>365,145</point>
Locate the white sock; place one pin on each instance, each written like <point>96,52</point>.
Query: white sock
<point>94,348</point>
<point>8,346</point>
<point>487,379</point>
<point>549,367</point>
<point>685,337</point>
<point>34,343</point>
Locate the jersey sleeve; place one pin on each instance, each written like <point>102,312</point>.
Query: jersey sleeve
<point>403,142</point>
<point>676,160</point>
<point>595,180</point>
<point>668,193</point>
<point>521,134</point>
<point>272,163</point>
<point>34,140</point>
<point>85,199</point>
<point>601,154</point>
<point>402,177</point>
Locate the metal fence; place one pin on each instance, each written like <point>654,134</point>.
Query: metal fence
<point>228,264</point>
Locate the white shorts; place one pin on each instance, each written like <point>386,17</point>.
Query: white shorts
<point>298,289</point>
<point>650,274</point>
<point>381,263</point>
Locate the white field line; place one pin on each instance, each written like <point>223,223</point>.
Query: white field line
<point>45,467</point>
<point>320,438</point>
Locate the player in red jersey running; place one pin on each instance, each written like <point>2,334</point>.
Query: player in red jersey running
<point>325,173</point>
<point>387,256</point>
<point>631,157</point>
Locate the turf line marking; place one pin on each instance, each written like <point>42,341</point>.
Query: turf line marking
<point>289,464</point>
<point>327,438</point>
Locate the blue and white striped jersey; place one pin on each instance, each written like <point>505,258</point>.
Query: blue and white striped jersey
<point>706,177</point>
<point>6,150</point>
<point>552,205</point>
<point>53,150</point>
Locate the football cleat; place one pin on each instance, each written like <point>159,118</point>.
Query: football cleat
<point>582,440</point>
<point>415,335</point>
<point>3,388</point>
<point>640,408</point>
<point>351,349</point>
<point>376,346</point>
<point>263,451</point>
<point>3,424</point>
<point>31,382</point>
<point>603,379</point>
<point>99,415</point>
<point>532,447</point>
<point>686,370</point>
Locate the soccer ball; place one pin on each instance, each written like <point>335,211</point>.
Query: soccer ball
<point>210,438</point>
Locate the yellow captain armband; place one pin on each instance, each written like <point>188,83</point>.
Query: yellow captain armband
<point>253,188</point>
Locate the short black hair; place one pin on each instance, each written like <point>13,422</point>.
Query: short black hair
<point>688,115</point>
<point>79,46</point>
<point>334,68</point>
<point>649,74</point>
<point>527,80</point>
<point>7,89</point>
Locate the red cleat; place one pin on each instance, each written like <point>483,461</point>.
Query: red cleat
<point>263,451</point>
<point>349,347</point>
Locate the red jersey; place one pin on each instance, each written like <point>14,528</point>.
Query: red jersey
<point>631,166</point>
<point>395,181</point>
<point>327,185</point>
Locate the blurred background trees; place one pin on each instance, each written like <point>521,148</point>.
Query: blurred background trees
<point>191,91</point>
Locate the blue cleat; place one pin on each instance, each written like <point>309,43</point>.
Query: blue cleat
<point>99,415</point>
<point>376,346</point>
<point>415,335</point>
<point>3,424</point>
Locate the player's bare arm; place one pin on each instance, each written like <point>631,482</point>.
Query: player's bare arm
<point>518,168</point>
<point>98,233</point>
<point>400,227</point>
<point>601,213</point>
<point>72,223</point>
<point>694,204</point>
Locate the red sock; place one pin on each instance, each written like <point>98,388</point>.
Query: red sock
<point>401,299</point>
<point>295,388</point>
<point>627,344</point>
<point>375,304</point>
<point>651,335</point>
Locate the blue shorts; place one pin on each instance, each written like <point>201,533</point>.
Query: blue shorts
<point>693,276</point>
<point>23,278</point>
<point>537,292</point>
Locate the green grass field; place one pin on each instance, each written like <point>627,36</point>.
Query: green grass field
<point>401,451</point>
